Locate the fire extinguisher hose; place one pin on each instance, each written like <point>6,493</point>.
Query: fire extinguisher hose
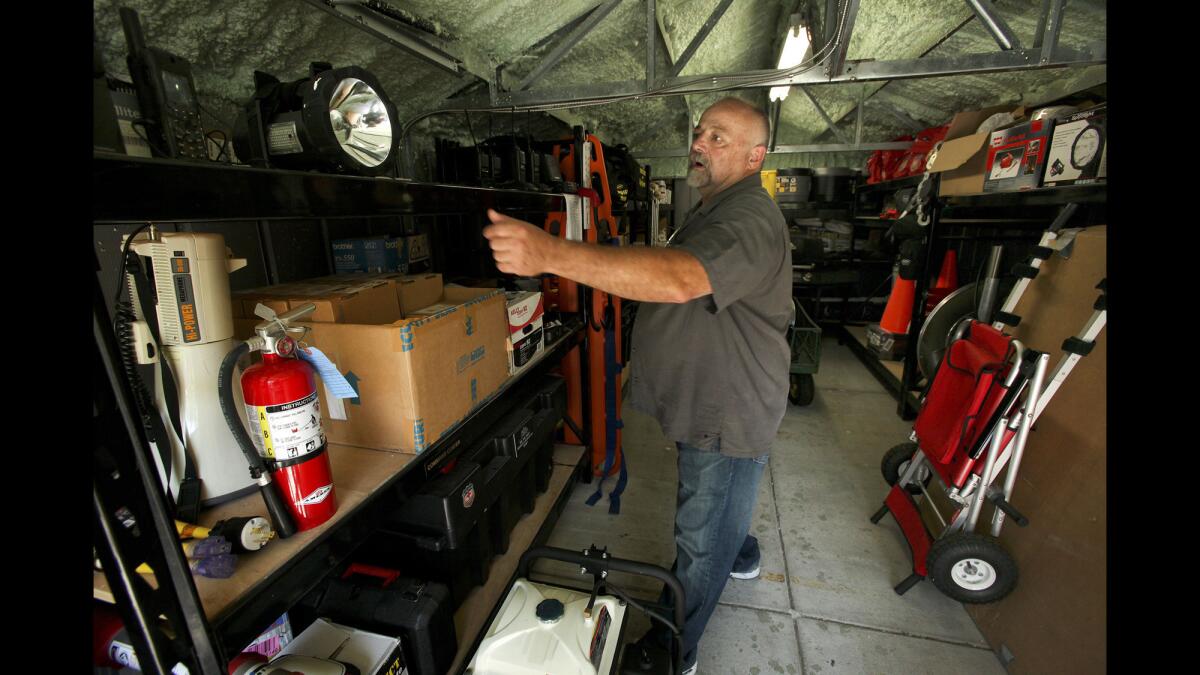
<point>258,470</point>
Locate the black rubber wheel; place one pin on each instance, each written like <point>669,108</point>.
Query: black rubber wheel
<point>802,389</point>
<point>971,568</point>
<point>896,460</point>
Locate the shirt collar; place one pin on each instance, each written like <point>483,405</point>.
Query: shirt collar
<point>747,183</point>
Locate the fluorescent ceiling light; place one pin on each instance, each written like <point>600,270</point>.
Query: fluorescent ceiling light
<point>795,50</point>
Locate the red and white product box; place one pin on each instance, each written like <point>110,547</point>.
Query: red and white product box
<point>525,337</point>
<point>1017,156</point>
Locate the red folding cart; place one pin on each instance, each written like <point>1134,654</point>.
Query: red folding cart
<point>976,415</point>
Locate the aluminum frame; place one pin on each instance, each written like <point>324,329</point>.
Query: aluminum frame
<point>570,40</point>
<point>994,24</point>
<point>699,38</point>
<point>865,70</point>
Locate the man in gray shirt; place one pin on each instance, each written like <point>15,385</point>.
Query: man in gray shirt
<point>710,357</point>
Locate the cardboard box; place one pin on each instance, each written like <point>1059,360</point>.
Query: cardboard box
<point>371,653</point>
<point>525,336</point>
<point>413,291</point>
<point>1078,149</point>
<point>359,301</point>
<point>1016,156</point>
<point>962,157</point>
<point>416,377</point>
<point>416,248</point>
<point>888,346</point>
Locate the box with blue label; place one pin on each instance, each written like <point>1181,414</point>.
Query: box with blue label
<point>417,377</point>
<point>369,254</point>
<point>379,254</point>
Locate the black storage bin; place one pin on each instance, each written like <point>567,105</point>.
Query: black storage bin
<point>834,184</point>
<point>501,505</point>
<point>417,611</point>
<point>553,394</point>
<point>513,437</point>
<point>793,186</point>
<point>437,532</point>
<point>544,423</point>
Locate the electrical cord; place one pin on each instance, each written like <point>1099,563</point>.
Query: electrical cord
<point>634,603</point>
<point>222,146</point>
<point>134,124</point>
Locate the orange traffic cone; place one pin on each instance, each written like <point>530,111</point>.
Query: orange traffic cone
<point>946,283</point>
<point>948,277</point>
<point>899,306</point>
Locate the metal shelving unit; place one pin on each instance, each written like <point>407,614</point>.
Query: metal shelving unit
<point>133,189</point>
<point>968,212</point>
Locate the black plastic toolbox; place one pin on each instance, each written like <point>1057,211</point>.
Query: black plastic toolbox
<point>501,510</point>
<point>382,601</point>
<point>438,534</point>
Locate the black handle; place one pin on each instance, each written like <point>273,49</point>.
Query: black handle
<point>427,542</point>
<point>617,565</point>
<point>278,512</point>
<point>1011,510</point>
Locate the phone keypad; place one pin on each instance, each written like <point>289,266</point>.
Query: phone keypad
<point>188,134</point>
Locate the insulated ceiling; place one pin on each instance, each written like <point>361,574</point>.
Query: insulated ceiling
<point>226,41</point>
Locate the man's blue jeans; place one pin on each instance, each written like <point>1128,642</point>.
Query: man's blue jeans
<point>714,506</point>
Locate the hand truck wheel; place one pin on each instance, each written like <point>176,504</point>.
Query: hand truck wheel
<point>802,389</point>
<point>971,568</point>
<point>895,462</point>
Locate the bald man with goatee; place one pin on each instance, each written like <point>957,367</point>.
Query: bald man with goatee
<point>709,355</point>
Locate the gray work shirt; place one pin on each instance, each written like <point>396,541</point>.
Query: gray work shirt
<point>717,366</point>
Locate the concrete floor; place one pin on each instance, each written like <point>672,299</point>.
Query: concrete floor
<point>824,602</point>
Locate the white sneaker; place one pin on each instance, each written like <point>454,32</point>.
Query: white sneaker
<point>692,670</point>
<point>750,574</point>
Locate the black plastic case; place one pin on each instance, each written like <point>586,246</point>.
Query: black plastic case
<point>417,611</point>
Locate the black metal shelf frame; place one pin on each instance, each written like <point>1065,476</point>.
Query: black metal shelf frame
<point>962,206</point>
<point>131,189</point>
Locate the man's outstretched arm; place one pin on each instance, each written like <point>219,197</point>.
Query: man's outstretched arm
<point>633,272</point>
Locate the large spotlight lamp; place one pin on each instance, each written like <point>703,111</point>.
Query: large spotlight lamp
<point>337,119</point>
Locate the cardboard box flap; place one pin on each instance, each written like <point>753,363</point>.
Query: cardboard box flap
<point>967,122</point>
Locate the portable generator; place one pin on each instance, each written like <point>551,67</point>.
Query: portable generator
<point>543,628</point>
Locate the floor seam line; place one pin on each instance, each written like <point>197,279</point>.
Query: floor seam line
<point>892,631</point>
<point>787,575</point>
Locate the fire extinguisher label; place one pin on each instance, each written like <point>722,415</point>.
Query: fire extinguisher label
<point>288,430</point>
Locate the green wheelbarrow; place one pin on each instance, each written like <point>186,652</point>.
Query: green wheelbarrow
<point>804,335</point>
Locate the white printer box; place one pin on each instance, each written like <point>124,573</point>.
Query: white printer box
<point>371,653</point>
<point>525,336</point>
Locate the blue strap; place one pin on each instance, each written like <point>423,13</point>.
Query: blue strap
<point>612,371</point>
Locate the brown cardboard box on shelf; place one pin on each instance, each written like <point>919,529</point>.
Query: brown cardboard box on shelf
<point>346,301</point>
<point>963,153</point>
<point>412,291</point>
<point>415,377</point>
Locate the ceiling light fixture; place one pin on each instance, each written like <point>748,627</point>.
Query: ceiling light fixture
<point>795,50</point>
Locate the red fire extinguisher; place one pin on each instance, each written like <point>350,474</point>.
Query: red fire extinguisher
<point>284,417</point>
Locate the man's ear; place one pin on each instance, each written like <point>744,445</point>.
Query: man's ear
<point>757,154</point>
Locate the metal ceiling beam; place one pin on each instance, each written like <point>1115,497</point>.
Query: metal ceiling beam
<point>824,115</point>
<point>995,25</point>
<point>1052,27</point>
<point>651,42</point>
<point>790,149</point>
<point>865,70</point>
<point>837,60</point>
<point>390,31</point>
<point>571,39</point>
<point>704,31</point>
